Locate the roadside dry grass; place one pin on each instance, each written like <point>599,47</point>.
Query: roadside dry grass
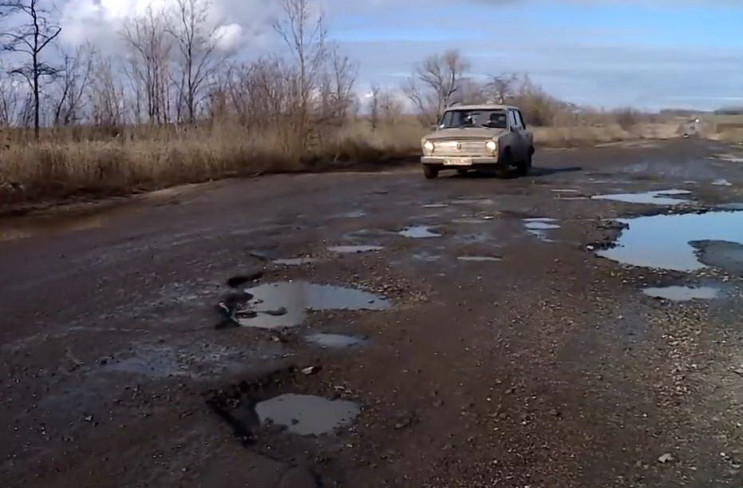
<point>578,136</point>
<point>66,164</point>
<point>61,167</point>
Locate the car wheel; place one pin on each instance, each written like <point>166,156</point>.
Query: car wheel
<point>430,172</point>
<point>503,168</point>
<point>525,166</point>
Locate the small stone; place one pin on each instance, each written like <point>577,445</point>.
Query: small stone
<point>310,370</point>
<point>666,458</point>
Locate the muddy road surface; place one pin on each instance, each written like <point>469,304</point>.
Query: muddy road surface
<point>580,327</point>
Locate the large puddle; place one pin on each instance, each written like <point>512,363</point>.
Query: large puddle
<point>286,304</point>
<point>668,241</point>
<point>307,415</point>
<point>661,197</point>
<point>683,293</point>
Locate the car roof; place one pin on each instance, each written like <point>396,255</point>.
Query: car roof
<point>481,107</point>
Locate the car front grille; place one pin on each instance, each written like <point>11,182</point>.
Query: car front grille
<point>461,148</point>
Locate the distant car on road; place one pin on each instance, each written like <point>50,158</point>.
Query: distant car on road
<point>478,137</point>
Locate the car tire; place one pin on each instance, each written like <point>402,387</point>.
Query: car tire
<point>502,170</point>
<point>430,172</point>
<point>525,166</point>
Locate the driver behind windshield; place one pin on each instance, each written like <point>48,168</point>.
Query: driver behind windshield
<point>489,119</point>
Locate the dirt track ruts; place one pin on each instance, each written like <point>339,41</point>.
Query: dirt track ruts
<point>548,368</point>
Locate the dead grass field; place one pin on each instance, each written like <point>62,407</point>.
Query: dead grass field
<point>69,164</point>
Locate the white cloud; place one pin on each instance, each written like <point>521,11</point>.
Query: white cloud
<point>98,21</point>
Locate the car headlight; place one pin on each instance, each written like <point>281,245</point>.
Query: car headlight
<point>492,146</point>
<point>429,147</point>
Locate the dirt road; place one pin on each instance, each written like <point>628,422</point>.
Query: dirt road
<point>497,341</point>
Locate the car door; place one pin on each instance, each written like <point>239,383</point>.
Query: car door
<point>518,149</point>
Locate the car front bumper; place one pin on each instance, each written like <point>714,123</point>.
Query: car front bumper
<point>459,162</point>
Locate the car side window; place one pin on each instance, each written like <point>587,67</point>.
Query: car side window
<point>512,119</point>
<point>521,119</point>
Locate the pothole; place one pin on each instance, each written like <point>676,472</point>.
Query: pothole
<point>660,197</point>
<point>306,414</point>
<point>354,249</point>
<point>334,341</point>
<point>683,293</point>
<point>540,227</point>
<point>419,232</point>
<point>480,259</point>
<point>296,261</point>
<point>286,304</point>
<point>722,182</point>
<point>474,220</point>
<point>671,241</point>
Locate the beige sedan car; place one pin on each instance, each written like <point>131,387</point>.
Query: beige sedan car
<point>478,137</point>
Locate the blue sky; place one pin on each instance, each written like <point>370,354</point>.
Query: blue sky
<point>649,54</point>
<point>603,53</point>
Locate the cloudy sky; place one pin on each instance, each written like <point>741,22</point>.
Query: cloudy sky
<point>649,54</point>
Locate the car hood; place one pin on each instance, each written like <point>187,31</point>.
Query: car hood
<point>472,132</point>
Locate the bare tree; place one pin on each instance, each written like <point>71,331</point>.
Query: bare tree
<point>336,90</point>
<point>303,31</point>
<point>106,94</point>
<point>197,54</point>
<point>502,88</point>
<point>150,48</point>
<point>436,83</point>
<point>71,85</point>
<point>12,98</point>
<point>391,107</point>
<point>33,33</point>
<point>374,112</point>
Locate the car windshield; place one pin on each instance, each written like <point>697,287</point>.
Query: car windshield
<point>492,119</point>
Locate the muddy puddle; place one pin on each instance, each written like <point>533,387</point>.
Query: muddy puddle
<point>23,228</point>
<point>295,261</point>
<point>307,415</point>
<point>353,214</point>
<point>480,259</point>
<point>660,197</point>
<point>683,293</point>
<point>722,182</point>
<point>355,249</point>
<point>286,304</point>
<point>419,232</point>
<point>681,242</point>
<point>540,227</point>
<point>334,341</point>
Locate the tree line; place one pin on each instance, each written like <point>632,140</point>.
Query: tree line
<point>173,72</point>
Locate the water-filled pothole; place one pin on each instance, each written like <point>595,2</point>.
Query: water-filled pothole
<point>286,304</point>
<point>668,241</point>
<point>334,341</point>
<point>307,415</point>
<point>296,261</point>
<point>354,249</point>
<point>722,182</point>
<point>419,232</point>
<point>683,293</point>
<point>480,259</point>
<point>660,197</point>
<point>539,227</point>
